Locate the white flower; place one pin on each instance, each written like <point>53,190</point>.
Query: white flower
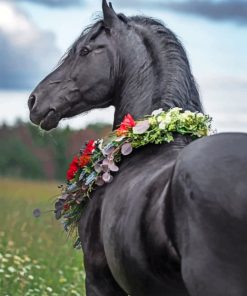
<point>30,277</point>
<point>157,112</point>
<point>188,113</point>
<point>175,109</point>
<point>199,115</point>
<point>100,145</point>
<point>159,118</point>
<point>49,289</point>
<point>163,125</point>
<point>11,269</point>
<point>165,121</point>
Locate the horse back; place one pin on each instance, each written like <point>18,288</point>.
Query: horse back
<point>209,203</point>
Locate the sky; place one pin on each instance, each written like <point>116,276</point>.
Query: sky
<point>35,33</point>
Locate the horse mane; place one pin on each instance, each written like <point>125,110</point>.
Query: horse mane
<point>180,89</point>
<point>178,85</point>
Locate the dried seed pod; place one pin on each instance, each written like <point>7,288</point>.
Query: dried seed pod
<point>36,213</point>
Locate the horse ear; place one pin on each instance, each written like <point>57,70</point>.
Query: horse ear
<point>110,17</point>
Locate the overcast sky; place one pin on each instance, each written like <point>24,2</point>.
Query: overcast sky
<point>35,33</point>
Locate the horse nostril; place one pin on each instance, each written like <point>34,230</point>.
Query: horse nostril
<point>31,102</point>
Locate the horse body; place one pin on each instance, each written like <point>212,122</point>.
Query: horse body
<point>173,220</point>
<point>181,237</point>
<point>132,231</point>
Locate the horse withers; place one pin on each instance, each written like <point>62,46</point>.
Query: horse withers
<point>172,223</point>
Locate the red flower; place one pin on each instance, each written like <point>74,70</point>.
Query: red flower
<point>126,124</point>
<point>66,207</point>
<point>73,168</point>
<point>84,160</point>
<point>85,157</point>
<point>90,147</point>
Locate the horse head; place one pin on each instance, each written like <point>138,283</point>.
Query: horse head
<point>135,64</point>
<point>85,78</point>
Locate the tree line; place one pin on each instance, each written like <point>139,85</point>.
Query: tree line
<point>28,152</point>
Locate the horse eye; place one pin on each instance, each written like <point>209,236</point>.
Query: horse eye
<point>84,51</point>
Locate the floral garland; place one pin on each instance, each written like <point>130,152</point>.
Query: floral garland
<point>96,164</point>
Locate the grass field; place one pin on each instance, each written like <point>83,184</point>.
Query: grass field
<point>36,258</point>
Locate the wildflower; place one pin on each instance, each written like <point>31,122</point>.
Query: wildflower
<point>11,269</point>
<point>49,289</point>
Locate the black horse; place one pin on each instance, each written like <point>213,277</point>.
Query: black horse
<point>174,220</point>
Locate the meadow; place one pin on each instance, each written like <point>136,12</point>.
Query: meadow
<point>36,257</point>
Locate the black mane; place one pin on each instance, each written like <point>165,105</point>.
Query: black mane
<point>180,87</point>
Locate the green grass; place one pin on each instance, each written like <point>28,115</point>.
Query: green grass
<point>36,258</point>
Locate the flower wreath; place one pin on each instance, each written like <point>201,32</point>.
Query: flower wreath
<point>96,163</point>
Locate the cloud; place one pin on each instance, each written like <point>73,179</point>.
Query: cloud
<point>226,10</point>
<point>53,3</point>
<point>217,10</point>
<point>27,53</point>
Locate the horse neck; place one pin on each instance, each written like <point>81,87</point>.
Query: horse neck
<point>135,89</point>
<point>154,78</point>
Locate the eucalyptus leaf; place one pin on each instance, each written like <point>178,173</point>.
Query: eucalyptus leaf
<point>72,188</point>
<point>64,196</point>
<point>107,177</point>
<point>82,175</point>
<point>58,214</point>
<point>97,168</point>
<point>105,162</point>
<point>126,149</point>
<point>105,168</point>
<point>113,167</point>
<point>99,181</point>
<point>110,157</point>
<point>141,127</point>
<point>108,149</point>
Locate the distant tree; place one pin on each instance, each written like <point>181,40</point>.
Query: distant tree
<point>16,160</point>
